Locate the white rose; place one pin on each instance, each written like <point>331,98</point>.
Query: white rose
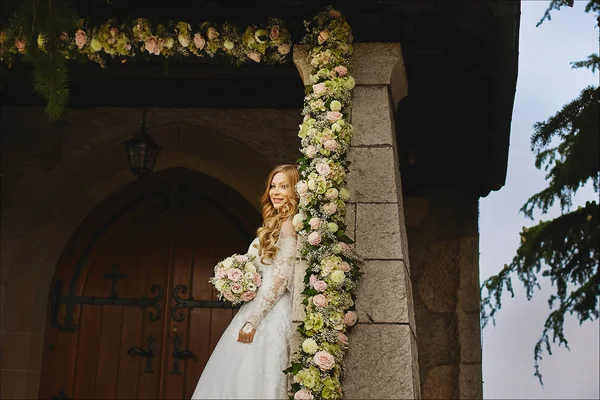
<point>337,277</point>
<point>250,267</point>
<point>311,151</point>
<point>310,346</point>
<point>219,285</point>
<point>228,262</point>
<point>298,222</point>
<point>251,287</point>
<point>249,275</point>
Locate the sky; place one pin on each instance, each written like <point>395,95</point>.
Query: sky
<point>546,82</point>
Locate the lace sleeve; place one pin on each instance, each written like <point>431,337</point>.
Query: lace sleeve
<point>283,265</point>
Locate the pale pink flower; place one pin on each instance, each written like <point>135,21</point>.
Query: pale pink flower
<point>334,115</point>
<point>302,188</point>
<point>229,296</point>
<point>257,280</point>
<point>274,32</point>
<point>331,194</point>
<point>212,33</point>
<point>334,13</point>
<point>237,288</point>
<point>342,339</point>
<point>320,286</point>
<point>344,266</point>
<point>199,41</point>
<point>254,56</point>
<point>314,223</point>
<point>350,318</point>
<point>324,360</point>
<point>20,45</point>
<point>323,36</point>
<point>341,70</point>
<point>323,169</point>
<point>221,274</point>
<point>310,151</point>
<point>80,39</point>
<point>235,274</point>
<point>306,118</point>
<point>183,40</point>
<point>312,280</point>
<point>303,394</point>
<point>330,145</point>
<point>320,301</point>
<point>330,208</point>
<point>113,31</point>
<point>283,48</point>
<point>151,45</point>
<point>319,88</point>
<point>241,258</point>
<point>314,238</point>
<point>344,247</point>
<point>247,296</point>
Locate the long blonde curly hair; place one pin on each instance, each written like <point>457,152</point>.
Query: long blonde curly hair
<point>273,219</point>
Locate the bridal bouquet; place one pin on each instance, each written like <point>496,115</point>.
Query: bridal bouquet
<point>237,279</point>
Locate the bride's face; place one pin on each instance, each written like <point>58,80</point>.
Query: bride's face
<point>279,190</point>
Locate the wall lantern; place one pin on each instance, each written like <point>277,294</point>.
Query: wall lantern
<point>142,151</point>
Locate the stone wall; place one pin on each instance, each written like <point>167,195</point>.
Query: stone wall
<point>444,254</point>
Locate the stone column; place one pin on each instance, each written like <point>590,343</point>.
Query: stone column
<point>382,361</point>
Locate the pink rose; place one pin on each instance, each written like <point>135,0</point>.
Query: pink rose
<point>212,33</point>
<point>241,259</point>
<point>151,45</point>
<point>283,48</point>
<point>310,151</point>
<point>320,286</point>
<point>330,145</point>
<point>235,274</point>
<point>344,266</point>
<point>319,88</point>
<point>323,36</point>
<point>20,45</point>
<point>254,56</point>
<point>236,288</point>
<point>314,238</point>
<point>247,296</point>
<point>257,280</point>
<point>314,223</point>
<point>330,208</point>
<point>342,339</point>
<point>303,394</point>
<point>302,188</point>
<point>323,169</point>
<point>221,274</point>
<point>324,360</point>
<point>341,70</point>
<point>312,280</point>
<point>350,318</point>
<point>80,39</point>
<point>334,115</point>
<point>199,41</point>
<point>334,13</point>
<point>274,32</point>
<point>229,296</point>
<point>343,247</point>
<point>320,300</point>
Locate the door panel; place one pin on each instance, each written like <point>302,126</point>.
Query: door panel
<point>114,329</point>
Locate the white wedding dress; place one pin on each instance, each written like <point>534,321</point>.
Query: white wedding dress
<point>254,370</point>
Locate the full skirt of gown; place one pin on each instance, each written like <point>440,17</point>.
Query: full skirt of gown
<point>251,370</point>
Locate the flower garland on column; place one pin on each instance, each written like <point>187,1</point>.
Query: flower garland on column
<point>333,267</point>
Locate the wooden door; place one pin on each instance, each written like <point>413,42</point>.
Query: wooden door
<point>132,315</point>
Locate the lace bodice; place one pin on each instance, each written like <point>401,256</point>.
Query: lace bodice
<point>281,270</point>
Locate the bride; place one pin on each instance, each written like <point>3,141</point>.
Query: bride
<point>248,361</point>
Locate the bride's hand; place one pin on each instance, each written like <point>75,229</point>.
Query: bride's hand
<point>246,334</point>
